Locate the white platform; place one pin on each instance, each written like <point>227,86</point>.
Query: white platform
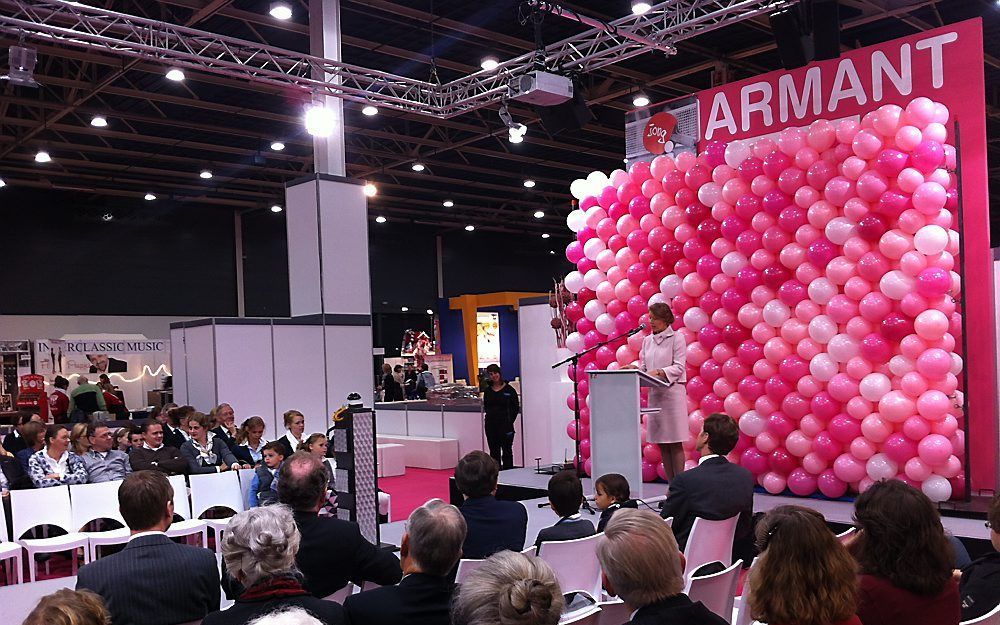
<point>425,452</point>
<point>391,459</point>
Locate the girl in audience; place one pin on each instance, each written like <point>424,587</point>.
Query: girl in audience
<point>250,441</point>
<point>295,425</point>
<point>123,439</point>
<point>611,493</point>
<point>317,444</point>
<point>78,441</point>
<point>804,575</point>
<point>905,559</point>
<point>206,453</point>
<point>509,589</point>
<point>56,465</point>
<point>69,607</point>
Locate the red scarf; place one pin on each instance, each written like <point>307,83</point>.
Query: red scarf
<point>274,588</point>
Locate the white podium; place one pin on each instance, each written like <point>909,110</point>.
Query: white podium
<point>615,430</point>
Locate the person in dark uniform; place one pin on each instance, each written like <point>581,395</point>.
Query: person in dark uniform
<point>501,405</point>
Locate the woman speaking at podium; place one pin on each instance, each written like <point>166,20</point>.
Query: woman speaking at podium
<point>664,356</point>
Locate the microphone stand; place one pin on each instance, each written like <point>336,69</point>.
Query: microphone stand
<point>575,360</point>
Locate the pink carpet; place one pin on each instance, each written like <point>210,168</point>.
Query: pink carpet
<point>413,489</point>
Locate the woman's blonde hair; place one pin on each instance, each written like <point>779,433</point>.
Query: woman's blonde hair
<point>78,442</point>
<point>244,432</point>
<point>69,607</point>
<point>804,575</point>
<point>201,419</point>
<point>291,414</point>
<point>639,555</point>
<point>509,589</point>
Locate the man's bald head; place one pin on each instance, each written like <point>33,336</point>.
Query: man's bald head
<point>302,482</point>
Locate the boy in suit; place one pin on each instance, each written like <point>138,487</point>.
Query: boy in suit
<point>493,525</point>
<point>565,497</point>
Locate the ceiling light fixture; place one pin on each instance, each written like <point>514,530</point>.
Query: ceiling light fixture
<point>405,308</point>
<point>149,197</point>
<point>552,252</point>
<point>2,183</point>
<point>639,8</point>
<point>99,121</point>
<point>277,146</point>
<point>319,121</point>
<point>205,174</point>
<point>545,235</point>
<point>418,166</point>
<point>370,110</point>
<point>489,63</point>
<point>447,203</point>
<point>470,228</point>
<point>516,133</point>
<point>42,157</point>
<point>276,208</point>
<point>539,214</point>
<point>529,183</point>
<point>371,190</point>
<point>175,75</point>
<point>640,99</point>
<point>430,312</point>
<point>380,219</point>
<point>281,11</point>
<point>107,216</point>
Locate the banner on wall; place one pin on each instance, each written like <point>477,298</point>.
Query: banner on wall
<point>122,354</point>
<point>488,338</point>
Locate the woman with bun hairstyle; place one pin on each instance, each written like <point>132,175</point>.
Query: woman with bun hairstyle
<point>510,588</point>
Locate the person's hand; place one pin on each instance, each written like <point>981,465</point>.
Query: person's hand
<point>53,476</point>
<point>245,466</point>
<point>223,467</point>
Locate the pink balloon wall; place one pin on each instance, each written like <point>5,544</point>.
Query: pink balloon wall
<point>814,277</point>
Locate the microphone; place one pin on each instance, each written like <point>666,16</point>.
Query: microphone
<point>642,326</point>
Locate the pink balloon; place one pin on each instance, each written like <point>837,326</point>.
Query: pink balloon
<point>830,485</point>
<point>847,468</point>
<point>934,450</point>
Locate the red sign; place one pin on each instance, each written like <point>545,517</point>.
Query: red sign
<point>658,131</point>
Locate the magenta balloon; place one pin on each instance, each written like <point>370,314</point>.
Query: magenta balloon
<point>801,482</point>
<point>793,368</point>
<point>697,176</point>
<point>896,326</point>
<point>843,428</point>
<point>891,162</point>
<point>795,406</point>
<point>899,448</point>
<point>637,273</point>
<point>826,447</point>
<point>776,388</point>
<point>819,173</point>
<point>696,212</point>
<point>781,461</point>
<point>712,403</point>
<point>824,406</point>
<point>636,306</point>
<point>750,388</point>
<point>657,270</point>
<point>588,202</point>
<point>605,356</point>
<point>775,239</point>
<point>627,191</point>
<point>748,242</point>
<point>709,230</point>
<point>754,461</point>
<point>821,252</point>
<point>871,227</point>
<point>747,279</point>
<point>584,325</point>
<point>775,201</point>
<point>872,266</point>
<point>592,338</point>
<point>694,249</point>
<point>709,336</point>
<point>933,282</point>
<point>893,203</point>
<point>710,370</point>
<point>750,168</point>
<point>775,276</point>
<point>732,300</point>
<point>927,156</point>
<point>792,218</point>
<point>733,335</point>
<point>830,485</point>
<point>715,153</point>
<point>780,426</point>
<point>876,348</point>
<point>734,370</point>
<point>638,206</point>
<point>747,206</point>
<point>792,292</point>
<point>708,266</point>
<point>624,322</point>
<point>636,240</point>
<point>585,265</point>
<point>732,226</point>
<point>775,163</point>
<point>710,301</point>
<point>791,180</point>
<point>657,237</point>
<point>750,352</point>
<point>608,197</point>
<point>574,252</point>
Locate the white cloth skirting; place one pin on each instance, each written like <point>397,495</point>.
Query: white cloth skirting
<point>670,424</point>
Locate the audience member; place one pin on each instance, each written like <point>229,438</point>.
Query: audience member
<point>154,455</point>
<point>56,465</point>
<point>510,588</point>
<point>258,550</point>
<point>286,616</point>
<point>642,565</point>
<point>295,425</point>
<point>78,442</point>
<point>431,547</point>
<point>980,584</point>
<point>85,400</point>
<point>264,486</point>
<point>425,381</point>
<point>123,438</point>
<point>205,452</point>
<point>15,440</point>
<point>611,493</point>
<point>69,607</point>
<point>333,551</point>
<point>174,423</point>
<point>565,497</point>
<point>13,474</point>
<point>186,577</point>
<point>317,444</point>
<point>103,463</point>
<point>135,439</point>
<point>493,525</point>
<point>225,428</point>
<point>905,559</point>
<point>391,388</point>
<point>250,441</point>
<point>33,434</point>
<point>59,400</point>
<point>114,404</point>
<point>804,575</point>
<point>716,489</point>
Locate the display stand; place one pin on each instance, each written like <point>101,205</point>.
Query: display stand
<point>615,430</point>
<point>352,445</point>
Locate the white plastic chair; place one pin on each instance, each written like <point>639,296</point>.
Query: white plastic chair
<point>182,508</point>
<point>846,535</point>
<point>465,567</point>
<point>743,612</point>
<point>588,615</point>
<point>717,591</point>
<point>575,564</point>
<point>709,541</point>
<point>10,552</point>
<point>213,490</point>
<point>91,502</point>
<point>246,479</point>
<point>990,618</point>
<point>46,506</point>
<point>613,612</point>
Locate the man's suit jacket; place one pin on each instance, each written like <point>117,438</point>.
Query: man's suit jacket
<point>566,529</point>
<point>222,434</point>
<point>419,599</point>
<point>676,610</point>
<point>333,552</point>
<point>14,442</point>
<point>716,489</point>
<point>242,612</point>
<point>186,580</point>
<point>493,526</point>
<point>14,473</point>
<point>172,437</point>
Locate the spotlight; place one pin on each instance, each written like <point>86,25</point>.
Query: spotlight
<point>281,11</point>
<point>276,208</point>
<point>418,166</point>
<point>529,184</point>
<point>99,122</point>
<point>277,146</point>
<point>380,219</point>
<point>404,308</point>
<point>371,190</point>
<point>42,157</point>
<point>447,203</point>
<point>515,134</point>
<point>319,121</point>
<point>149,197</point>
<point>545,235</point>
<point>489,63</point>
<point>107,216</point>
<point>370,110</point>
<point>638,8</point>
<point>552,252</point>
<point>430,312</point>
<point>175,75</point>
<point>640,99</point>
<point>205,174</point>
<point>539,214</point>
<point>2,183</point>
<point>470,228</point>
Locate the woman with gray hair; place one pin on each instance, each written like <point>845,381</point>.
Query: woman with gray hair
<point>510,588</point>
<point>258,550</point>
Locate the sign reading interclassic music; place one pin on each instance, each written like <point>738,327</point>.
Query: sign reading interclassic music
<point>117,347</point>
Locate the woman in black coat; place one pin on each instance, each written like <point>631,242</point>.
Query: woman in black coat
<point>501,405</point>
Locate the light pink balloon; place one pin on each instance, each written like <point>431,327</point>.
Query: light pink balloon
<point>931,325</point>
<point>917,470</point>
<point>862,448</point>
<point>875,428</point>
<point>896,406</point>
<point>848,468</point>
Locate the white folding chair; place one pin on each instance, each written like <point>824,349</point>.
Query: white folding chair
<point>709,541</point>
<point>466,566</point>
<point>341,595</point>
<point>246,479</point>
<point>613,612</point>
<point>588,615</point>
<point>216,490</point>
<point>46,506</point>
<point>846,535</point>
<point>669,521</point>
<point>189,526</point>
<point>717,591</point>
<point>743,612</point>
<point>990,618</point>
<point>575,564</point>
<point>90,502</point>
<point>10,552</point>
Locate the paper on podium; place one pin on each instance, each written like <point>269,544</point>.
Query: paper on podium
<point>645,380</point>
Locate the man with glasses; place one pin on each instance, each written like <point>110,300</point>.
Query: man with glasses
<point>103,462</point>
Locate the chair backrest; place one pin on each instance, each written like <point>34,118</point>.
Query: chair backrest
<point>589,615</point>
<point>709,541</point>
<point>613,612</point>
<point>575,563</point>
<point>4,535</point>
<point>341,595</point>
<point>246,479</point>
<point>466,566</point>
<point>717,591</point>
<point>182,504</point>
<point>90,502</point>
<point>40,506</point>
<point>669,521</point>
<point>743,614</point>
<point>844,536</point>
<point>215,489</point>
<point>990,618</point>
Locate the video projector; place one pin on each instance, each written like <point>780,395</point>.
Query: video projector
<point>540,88</point>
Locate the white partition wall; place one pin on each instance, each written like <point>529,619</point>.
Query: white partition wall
<point>178,362</point>
<point>199,354</point>
<point>299,375</point>
<point>349,360</point>
<point>245,368</point>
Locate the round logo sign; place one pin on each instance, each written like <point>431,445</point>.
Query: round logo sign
<point>658,131</point>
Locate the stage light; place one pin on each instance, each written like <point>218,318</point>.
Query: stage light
<point>319,121</point>
<point>404,308</point>
<point>371,190</point>
<point>515,133</point>
<point>418,166</point>
<point>380,219</point>
<point>175,75</point>
<point>552,252</point>
<point>447,203</point>
<point>276,208</point>
<point>430,312</point>
<point>489,63</point>
<point>2,183</point>
<point>640,99</point>
<point>277,146</point>
<point>529,184</point>
<point>539,214</point>
<point>370,110</point>
<point>638,8</point>
<point>205,174</point>
<point>149,197</point>
<point>545,235</point>
<point>42,157</point>
<point>107,216</point>
<point>99,121</point>
<point>281,11</point>
<point>470,228</point>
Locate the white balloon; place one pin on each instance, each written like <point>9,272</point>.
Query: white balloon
<point>821,291</point>
<point>930,240</point>
<point>593,278</point>
<point>605,324</point>
<point>900,365</point>
<point>593,309</point>
<point>658,298</point>
<point>618,177</point>
<point>579,188</point>
<point>574,281</point>
<point>732,263</point>
<point>936,488</point>
<point>822,329</point>
<point>597,181</point>
<point>574,342</point>
<point>695,318</point>
<point>776,313</point>
<point>874,386</point>
<point>576,220</point>
<point>823,367</point>
<point>593,247</point>
<point>839,230</point>
<point>736,153</point>
<point>670,286</point>
<point>881,467</point>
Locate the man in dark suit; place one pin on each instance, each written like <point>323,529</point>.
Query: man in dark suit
<point>565,497</point>
<point>173,422</point>
<point>187,577</point>
<point>493,525</point>
<point>333,551</point>
<point>431,547</point>
<point>716,489</point>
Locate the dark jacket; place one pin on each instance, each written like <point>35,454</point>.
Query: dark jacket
<point>173,437</point>
<point>608,512</point>
<point>14,442</point>
<point>222,434</point>
<point>881,603</point>
<point>15,473</point>
<point>419,599</point>
<point>165,459</point>
<point>263,602</point>
<point>493,526</point>
<point>716,489</point>
<point>187,574</point>
<point>501,406</point>
<point>980,586</point>
<point>677,610</point>
<point>566,529</point>
<point>196,465</point>
<point>333,552</point>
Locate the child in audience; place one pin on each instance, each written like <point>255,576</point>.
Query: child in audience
<point>565,497</point>
<point>264,487</point>
<point>123,440</point>
<point>611,493</point>
<point>980,583</point>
